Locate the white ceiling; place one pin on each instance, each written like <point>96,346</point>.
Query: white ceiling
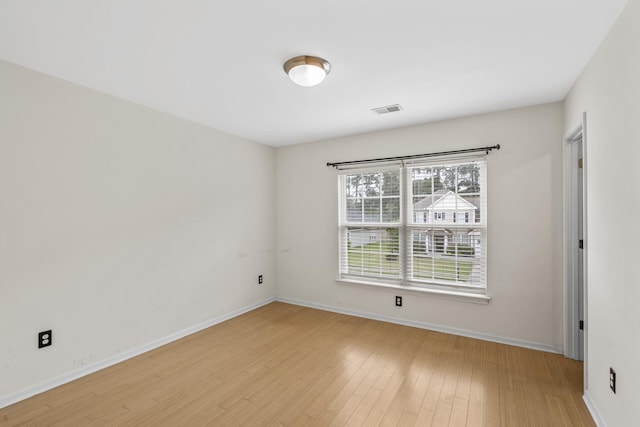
<point>219,62</point>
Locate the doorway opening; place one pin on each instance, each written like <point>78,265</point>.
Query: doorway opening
<point>575,244</point>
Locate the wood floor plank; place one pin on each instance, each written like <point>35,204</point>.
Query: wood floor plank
<point>475,414</point>
<point>396,408</point>
<point>407,419</point>
<point>558,412</point>
<point>381,406</point>
<point>425,417</point>
<point>285,365</point>
<point>442,414</point>
<point>459,412</point>
<point>364,408</point>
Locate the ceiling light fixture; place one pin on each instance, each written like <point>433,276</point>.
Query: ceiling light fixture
<point>307,70</point>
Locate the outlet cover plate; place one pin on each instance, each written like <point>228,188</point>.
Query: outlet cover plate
<point>45,339</point>
<point>612,380</point>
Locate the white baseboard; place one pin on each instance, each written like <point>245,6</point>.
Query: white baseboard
<point>430,326</point>
<point>593,410</point>
<point>94,367</point>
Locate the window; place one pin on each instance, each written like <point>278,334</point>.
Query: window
<point>387,235</point>
<point>370,206</point>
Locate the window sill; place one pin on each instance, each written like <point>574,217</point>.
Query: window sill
<point>446,294</point>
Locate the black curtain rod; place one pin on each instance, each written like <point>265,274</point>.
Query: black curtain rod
<point>415,156</point>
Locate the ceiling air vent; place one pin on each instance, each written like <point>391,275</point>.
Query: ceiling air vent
<point>388,109</point>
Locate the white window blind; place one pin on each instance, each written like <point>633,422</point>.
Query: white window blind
<point>370,220</point>
<point>418,224</point>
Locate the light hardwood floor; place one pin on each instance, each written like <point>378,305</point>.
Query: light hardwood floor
<point>287,365</point>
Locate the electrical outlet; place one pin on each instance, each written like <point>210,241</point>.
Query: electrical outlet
<point>260,279</point>
<point>45,339</point>
<point>612,380</point>
<point>398,301</point>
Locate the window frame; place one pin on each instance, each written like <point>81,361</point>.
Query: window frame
<point>408,224</point>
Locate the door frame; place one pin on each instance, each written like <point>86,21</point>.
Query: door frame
<point>570,156</point>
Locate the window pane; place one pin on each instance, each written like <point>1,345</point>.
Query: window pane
<point>390,184</point>
<point>363,185</point>
<point>391,209</point>
<point>446,205</point>
<point>372,197</point>
<point>422,212</point>
<point>372,184</point>
<point>469,208</point>
<point>373,252</point>
<point>421,180</point>
<point>353,185</point>
<point>372,210</point>
<point>447,255</point>
<point>444,178</point>
<point>469,178</point>
<point>354,210</point>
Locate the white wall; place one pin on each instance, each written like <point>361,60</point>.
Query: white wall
<point>119,225</point>
<point>525,223</point>
<point>609,91</point>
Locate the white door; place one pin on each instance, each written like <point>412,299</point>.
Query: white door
<point>575,245</point>
<point>580,255</point>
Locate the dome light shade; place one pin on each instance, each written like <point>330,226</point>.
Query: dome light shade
<point>307,70</point>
